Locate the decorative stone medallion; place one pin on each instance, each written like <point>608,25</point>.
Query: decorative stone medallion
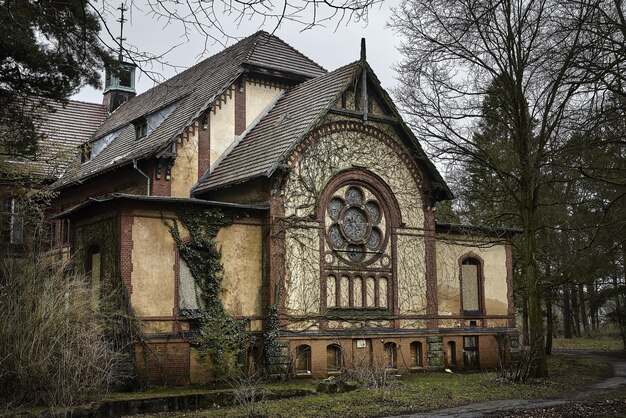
<point>355,225</point>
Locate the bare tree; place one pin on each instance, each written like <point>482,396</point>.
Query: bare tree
<point>537,56</point>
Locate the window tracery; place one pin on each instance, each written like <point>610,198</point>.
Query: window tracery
<point>357,212</point>
<point>355,224</point>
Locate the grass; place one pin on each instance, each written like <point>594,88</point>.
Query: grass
<point>429,391</point>
<point>599,343</point>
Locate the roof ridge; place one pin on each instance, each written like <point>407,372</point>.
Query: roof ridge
<point>270,36</point>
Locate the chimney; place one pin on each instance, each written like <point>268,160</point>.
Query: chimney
<point>119,86</point>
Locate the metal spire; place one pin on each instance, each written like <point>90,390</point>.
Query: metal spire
<point>121,38</point>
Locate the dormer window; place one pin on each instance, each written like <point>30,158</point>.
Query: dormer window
<point>85,152</point>
<point>141,128</point>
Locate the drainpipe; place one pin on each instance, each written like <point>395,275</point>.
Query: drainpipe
<point>143,174</point>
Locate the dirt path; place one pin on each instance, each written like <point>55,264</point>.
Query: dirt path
<point>584,400</point>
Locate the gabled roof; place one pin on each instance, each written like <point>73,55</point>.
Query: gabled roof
<point>194,90</point>
<point>63,128</point>
<point>291,118</point>
<point>268,144</point>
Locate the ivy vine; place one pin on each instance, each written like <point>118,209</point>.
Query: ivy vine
<point>222,337</point>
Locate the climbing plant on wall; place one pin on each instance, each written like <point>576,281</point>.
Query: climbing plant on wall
<point>222,337</point>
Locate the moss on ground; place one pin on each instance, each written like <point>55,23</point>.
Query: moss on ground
<point>599,343</point>
<point>426,392</point>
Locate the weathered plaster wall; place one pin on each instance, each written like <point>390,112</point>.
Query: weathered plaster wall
<point>241,247</point>
<point>185,169</point>
<point>222,125</point>
<point>258,96</point>
<point>319,162</point>
<point>152,277</point>
<point>449,250</point>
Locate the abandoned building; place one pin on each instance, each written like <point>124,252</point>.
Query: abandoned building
<point>323,203</point>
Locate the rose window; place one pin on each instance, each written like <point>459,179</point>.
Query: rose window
<point>355,224</point>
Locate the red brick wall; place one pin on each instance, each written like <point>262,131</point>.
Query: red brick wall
<point>160,186</point>
<point>204,145</point>
<point>126,248</point>
<point>240,106</point>
<point>124,180</point>
<point>163,362</point>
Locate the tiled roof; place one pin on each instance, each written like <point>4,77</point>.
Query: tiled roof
<point>64,128</point>
<point>290,119</point>
<point>195,89</point>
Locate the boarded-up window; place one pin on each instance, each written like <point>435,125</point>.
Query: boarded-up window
<point>451,354</point>
<point>303,359</point>
<point>470,285</point>
<point>470,352</point>
<point>416,354</point>
<point>333,358</point>
<point>391,355</point>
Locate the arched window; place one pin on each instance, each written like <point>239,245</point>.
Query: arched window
<point>93,271</point>
<point>303,360</point>
<point>391,355</point>
<point>451,354</point>
<point>333,358</point>
<point>357,211</point>
<point>416,354</point>
<point>471,286</point>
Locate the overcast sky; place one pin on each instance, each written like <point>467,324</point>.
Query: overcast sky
<point>328,47</point>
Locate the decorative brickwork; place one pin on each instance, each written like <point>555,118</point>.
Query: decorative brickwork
<point>160,184</point>
<point>223,98</point>
<point>357,126</point>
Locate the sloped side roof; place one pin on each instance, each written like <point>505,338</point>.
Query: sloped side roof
<point>195,89</point>
<point>290,119</point>
<point>63,127</point>
<point>294,115</point>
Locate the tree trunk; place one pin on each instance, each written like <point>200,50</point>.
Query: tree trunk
<point>536,330</point>
<point>593,306</point>
<point>525,338</point>
<point>549,322</point>
<point>575,310</point>
<point>567,313</point>
<point>583,309</point>
<point>619,311</point>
